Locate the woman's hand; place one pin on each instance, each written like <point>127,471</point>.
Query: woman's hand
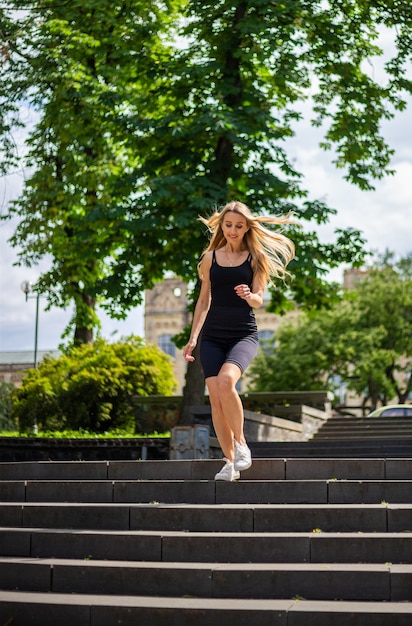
<point>188,349</point>
<point>243,291</point>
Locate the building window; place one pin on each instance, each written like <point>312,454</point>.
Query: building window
<point>166,344</point>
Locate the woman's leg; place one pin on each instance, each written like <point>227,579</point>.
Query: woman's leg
<point>231,403</point>
<point>222,428</point>
<point>227,409</point>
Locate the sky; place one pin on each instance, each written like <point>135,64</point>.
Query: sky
<point>384,216</point>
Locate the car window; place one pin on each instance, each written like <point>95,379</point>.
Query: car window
<point>397,412</point>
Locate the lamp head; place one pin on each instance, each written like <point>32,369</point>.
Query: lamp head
<point>26,287</point>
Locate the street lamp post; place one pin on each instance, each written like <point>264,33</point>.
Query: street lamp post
<point>26,288</point>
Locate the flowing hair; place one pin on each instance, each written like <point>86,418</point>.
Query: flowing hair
<point>271,251</point>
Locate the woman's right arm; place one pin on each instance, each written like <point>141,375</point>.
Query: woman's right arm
<point>201,309</point>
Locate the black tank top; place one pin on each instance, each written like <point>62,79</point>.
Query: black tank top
<point>229,316</point>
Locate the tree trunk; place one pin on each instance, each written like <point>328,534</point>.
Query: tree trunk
<point>85,313</point>
<point>194,391</point>
<point>403,395</point>
<point>373,393</point>
<point>83,335</point>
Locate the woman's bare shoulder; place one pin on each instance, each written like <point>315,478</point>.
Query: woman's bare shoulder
<point>207,259</point>
<point>205,265</point>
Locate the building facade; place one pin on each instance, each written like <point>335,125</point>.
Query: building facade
<point>165,315</point>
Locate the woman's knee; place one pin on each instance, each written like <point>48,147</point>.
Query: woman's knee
<point>226,382</point>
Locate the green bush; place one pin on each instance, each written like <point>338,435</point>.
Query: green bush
<point>91,387</point>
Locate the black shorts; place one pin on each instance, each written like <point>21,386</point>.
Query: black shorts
<point>214,353</point>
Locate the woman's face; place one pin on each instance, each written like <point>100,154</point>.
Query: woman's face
<point>234,227</point>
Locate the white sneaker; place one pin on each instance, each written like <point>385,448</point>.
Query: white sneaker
<point>227,472</point>
<point>243,457</point>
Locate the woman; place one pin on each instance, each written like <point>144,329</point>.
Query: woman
<point>235,268</point>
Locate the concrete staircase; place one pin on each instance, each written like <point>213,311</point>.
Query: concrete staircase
<point>346,437</point>
<point>295,542</point>
<point>360,428</point>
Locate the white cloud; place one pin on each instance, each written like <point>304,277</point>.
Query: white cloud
<point>383,215</point>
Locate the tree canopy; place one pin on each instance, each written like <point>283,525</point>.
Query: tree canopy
<point>76,65</point>
<point>365,340</point>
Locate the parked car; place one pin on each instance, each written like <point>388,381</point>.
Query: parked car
<point>392,410</point>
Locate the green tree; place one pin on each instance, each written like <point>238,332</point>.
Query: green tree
<point>204,125</point>
<point>81,68</point>
<point>91,387</point>
<point>385,305</point>
<point>233,92</point>
<point>365,340</point>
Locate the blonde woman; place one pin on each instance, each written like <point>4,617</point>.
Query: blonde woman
<point>235,268</point>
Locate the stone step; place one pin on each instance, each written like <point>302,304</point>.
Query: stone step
<point>368,421</point>
<point>373,433</point>
<point>208,518</point>
<point>346,433</point>
<point>405,450</point>
<point>315,491</point>
<point>223,547</point>
<point>33,609</point>
<point>329,448</point>
<point>364,581</point>
<point>263,468</point>
<point>61,449</point>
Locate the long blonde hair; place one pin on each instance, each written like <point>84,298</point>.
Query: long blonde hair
<point>271,251</point>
